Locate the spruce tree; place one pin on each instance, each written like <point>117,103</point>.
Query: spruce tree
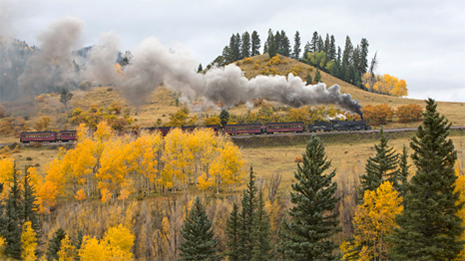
<point>297,50</point>
<point>285,45</point>
<point>327,45</point>
<point>232,233</point>
<point>245,48</point>
<point>403,173</point>
<point>197,241</point>
<point>317,77</point>
<point>429,226</point>
<point>255,44</point>
<point>13,227</point>
<point>309,79</point>
<point>261,233</point>
<point>332,48</point>
<point>314,42</point>
<point>383,166</point>
<point>248,218</point>
<point>54,245</point>
<point>363,65</point>
<point>307,49</point>
<point>314,215</point>
<point>29,206</point>
<point>224,117</point>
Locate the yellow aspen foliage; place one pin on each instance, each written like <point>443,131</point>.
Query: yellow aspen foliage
<point>112,172</point>
<point>374,221</point>
<point>460,187</point>
<point>80,195</point>
<point>28,242</point>
<point>227,168</point>
<point>67,250</point>
<point>400,89</point>
<point>106,195</point>
<point>47,194</point>
<point>91,250</point>
<point>118,242</point>
<point>2,247</point>
<point>176,158</point>
<point>103,132</point>
<point>386,84</point>
<point>203,182</point>
<point>43,123</point>
<point>6,171</point>
<point>214,120</point>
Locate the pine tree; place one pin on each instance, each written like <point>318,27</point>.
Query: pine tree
<point>247,219</point>
<point>314,42</point>
<point>430,227</point>
<point>224,117</point>
<point>232,232</point>
<point>255,43</point>
<point>29,206</point>
<point>237,48</point>
<point>307,49</point>
<point>363,64</point>
<point>307,235</point>
<point>346,58</point>
<point>197,241</point>
<point>308,79</point>
<point>13,227</point>
<point>403,173</point>
<point>54,245</point>
<point>269,39</point>
<point>245,50</point>
<point>317,77</point>
<point>321,45</point>
<point>261,234</point>
<point>297,50</point>
<point>284,45</point>
<point>327,45</point>
<point>332,48</point>
<point>381,167</point>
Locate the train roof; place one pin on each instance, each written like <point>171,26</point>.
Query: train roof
<point>37,132</point>
<point>248,124</point>
<point>301,122</point>
<point>68,131</point>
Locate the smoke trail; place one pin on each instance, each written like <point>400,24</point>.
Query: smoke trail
<point>102,59</point>
<point>53,66</point>
<point>153,64</point>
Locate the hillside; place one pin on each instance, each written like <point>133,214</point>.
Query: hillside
<point>454,111</point>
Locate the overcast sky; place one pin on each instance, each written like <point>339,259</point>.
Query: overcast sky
<point>421,42</point>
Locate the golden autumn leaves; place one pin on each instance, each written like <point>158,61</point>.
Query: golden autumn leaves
<point>113,167</point>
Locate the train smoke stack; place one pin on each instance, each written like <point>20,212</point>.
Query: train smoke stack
<point>154,64</point>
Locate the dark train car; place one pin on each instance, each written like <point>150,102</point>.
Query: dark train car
<point>243,128</point>
<point>66,136</point>
<point>284,127</point>
<point>215,128</point>
<point>319,125</point>
<point>350,125</point>
<point>163,130</point>
<point>27,137</point>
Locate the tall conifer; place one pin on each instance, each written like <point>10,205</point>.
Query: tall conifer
<point>247,219</point>
<point>197,241</point>
<point>314,216</point>
<point>383,166</point>
<point>430,228</point>
<point>232,232</point>
<point>261,233</point>
<point>13,227</point>
<point>297,50</point>
<point>255,44</point>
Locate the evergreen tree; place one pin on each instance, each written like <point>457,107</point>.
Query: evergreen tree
<point>332,48</point>
<point>314,42</point>
<point>309,79</point>
<point>226,57</point>
<point>234,46</point>
<point>269,40</point>
<point>261,233</point>
<point>247,219</point>
<point>232,232</point>
<point>255,43</point>
<point>224,117</point>
<point>327,45</point>
<point>403,173</point>
<point>307,235</point>
<point>278,41</point>
<point>429,226</point>
<point>363,63</point>
<point>356,63</point>
<point>245,45</point>
<point>13,227</point>
<point>285,45</point>
<point>200,69</point>
<point>317,77</point>
<point>197,241</point>
<point>321,45</point>
<point>346,59</point>
<point>335,69</point>
<point>237,48</point>
<point>54,245</point>
<point>381,167</point>
<point>307,49</point>
<point>297,50</point>
<point>29,207</point>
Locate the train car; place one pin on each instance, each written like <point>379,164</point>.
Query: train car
<point>319,125</point>
<point>163,130</point>
<point>295,127</point>
<point>236,129</point>
<point>26,137</point>
<point>68,135</point>
<point>350,125</point>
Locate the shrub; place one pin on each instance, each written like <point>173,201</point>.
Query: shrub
<point>255,67</point>
<point>410,112</point>
<point>276,60</point>
<point>29,158</point>
<point>2,111</point>
<point>298,159</point>
<point>378,114</point>
<point>248,60</point>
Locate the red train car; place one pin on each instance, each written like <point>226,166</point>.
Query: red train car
<point>68,135</point>
<point>27,137</point>
<point>243,128</point>
<point>295,127</point>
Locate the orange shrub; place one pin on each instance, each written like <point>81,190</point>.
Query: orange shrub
<point>410,112</point>
<point>298,159</point>
<point>378,114</point>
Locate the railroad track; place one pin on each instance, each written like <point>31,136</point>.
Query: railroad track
<point>248,136</point>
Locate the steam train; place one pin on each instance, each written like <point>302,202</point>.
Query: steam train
<point>235,129</point>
